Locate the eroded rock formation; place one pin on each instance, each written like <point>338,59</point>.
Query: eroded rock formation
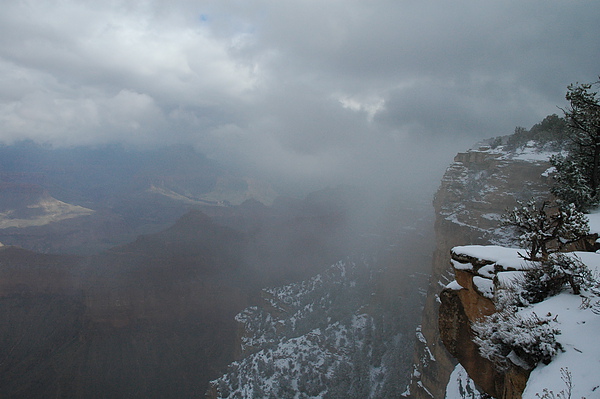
<point>476,190</point>
<point>466,300</point>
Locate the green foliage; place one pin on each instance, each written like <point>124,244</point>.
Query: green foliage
<point>577,177</point>
<point>509,337</point>
<point>549,134</point>
<point>496,142</point>
<point>506,336</point>
<point>518,138</point>
<point>571,183</point>
<point>583,114</point>
<point>550,276</point>
<point>546,227</point>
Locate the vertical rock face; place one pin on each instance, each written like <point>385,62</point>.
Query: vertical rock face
<point>475,191</point>
<point>468,300</point>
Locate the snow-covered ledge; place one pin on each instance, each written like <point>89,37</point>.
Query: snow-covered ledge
<point>481,270</point>
<point>487,267</point>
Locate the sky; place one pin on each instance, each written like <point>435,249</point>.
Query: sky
<point>300,91</point>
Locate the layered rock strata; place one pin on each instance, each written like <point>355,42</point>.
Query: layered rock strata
<point>475,191</point>
<point>468,299</point>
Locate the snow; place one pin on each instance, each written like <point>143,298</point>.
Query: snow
<point>548,172</point>
<point>576,316</point>
<point>454,286</point>
<point>420,384</point>
<point>460,386</point>
<point>515,359</point>
<point>492,216</point>
<point>304,339</point>
<point>508,279</point>
<point>487,271</point>
<point>485,286</point>
<point>590,259</point>
<point>531,154</point>
<point>580,328</point>
<point>420,336</point>
<point>461,266</point>
<point>505,258</point>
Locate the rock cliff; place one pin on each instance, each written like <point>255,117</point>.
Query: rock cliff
<point>468,299</point>
<point>476,189</point>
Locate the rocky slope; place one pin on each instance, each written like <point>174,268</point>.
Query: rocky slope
<point>330,336</point>
<point>476,189</point>
<point>345,332</point>
<point>156,317</point>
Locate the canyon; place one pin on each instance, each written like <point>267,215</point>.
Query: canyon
<point>154,289</point>
<point>477,188</point>
<point>129,281</point>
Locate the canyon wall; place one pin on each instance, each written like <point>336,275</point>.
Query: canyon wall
<point>469,299</point>
<point>475,191</point>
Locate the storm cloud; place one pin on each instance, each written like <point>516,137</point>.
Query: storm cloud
<point>308,90</point>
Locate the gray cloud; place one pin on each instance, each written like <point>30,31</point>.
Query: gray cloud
<point>317,91</point>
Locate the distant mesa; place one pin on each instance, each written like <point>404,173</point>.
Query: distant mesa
<point>38,212</point>
<point>227,191</point>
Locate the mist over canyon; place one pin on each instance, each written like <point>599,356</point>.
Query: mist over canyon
<point>123,270</point>
<point>231,199</point>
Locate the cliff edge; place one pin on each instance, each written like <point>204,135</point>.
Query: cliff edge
<point>475,191</point>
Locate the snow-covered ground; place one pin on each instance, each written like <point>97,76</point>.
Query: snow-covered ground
<point>575,370</point>
<point>530,152</point>
<point>501,257</point>
<point>324,337</point>
<point>580,359</point>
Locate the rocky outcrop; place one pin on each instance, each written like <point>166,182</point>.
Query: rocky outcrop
<point>476,189</point>
<point>464,301</point>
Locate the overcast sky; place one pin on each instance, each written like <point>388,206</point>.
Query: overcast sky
<point>313,89</point>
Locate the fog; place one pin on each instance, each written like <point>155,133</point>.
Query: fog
<point>306,94</point>
<point>133,244</point>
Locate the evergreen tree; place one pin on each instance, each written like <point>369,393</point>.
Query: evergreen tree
<point>571,184</point>
<point>546,227</point>
<point>550,276</point>
<point>549,134</point>
<point>580,170</point>
<point>525,340</point>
